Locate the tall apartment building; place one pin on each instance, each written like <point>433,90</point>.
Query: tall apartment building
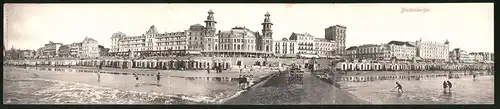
<point>337,33</point>
<point>195,38</point>
<point>402,50</point>
<point>432,51</point>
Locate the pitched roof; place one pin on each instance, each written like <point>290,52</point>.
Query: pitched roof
<point>401,43</point>
<point>89,39</point>
<point>352,47</point>
<point>303,34</point>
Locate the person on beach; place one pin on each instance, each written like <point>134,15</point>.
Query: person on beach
<point>98,76</point>
<point>445,85</point>
<point>240,82</point>
<point>136,78</point>
<point>246,82</point>
<point>241,71</point>
<point>449,85</point>
<point>208,70</point>
<point>158,77</point>
<point>400,88</point>
<point>219,68</point>
<point>473,76</point>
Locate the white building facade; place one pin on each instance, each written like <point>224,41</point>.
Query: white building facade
<point>285,48</point>
<point>369,52</point>
<point>402,50</point>
<point>432,51</point>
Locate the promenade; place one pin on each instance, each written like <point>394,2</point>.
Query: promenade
<point>232,73</point>
<point>279,90</point>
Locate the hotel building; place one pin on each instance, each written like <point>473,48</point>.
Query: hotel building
<point>402,50</point>
<point>323,47</point>
<point>432,51</point>
<point>51,49</point>
<point>305,43</point>
<point>337,33</point>
<point>482,57</point>
<point>151,43</point>
<point>286,48</point>
<point>462,56</point>
<point>198,39</point>
<point>369,51</point>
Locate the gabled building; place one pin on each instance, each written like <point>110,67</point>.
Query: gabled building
<point>51,49</point>
<point>400,50</point>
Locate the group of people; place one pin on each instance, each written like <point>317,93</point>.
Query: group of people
<point>243,79</point>
<point>446,84</point>
<point>218,69</point>
<point>158,77</point>
<point>243,82</point>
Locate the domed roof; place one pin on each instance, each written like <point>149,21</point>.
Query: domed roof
<point>238,31</point>
<point>197,25</point>
<point>118,35</point>
<point>89,40</point>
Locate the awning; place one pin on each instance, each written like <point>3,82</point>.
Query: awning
<point>193,52</point>
<point>183,58</point>
<point>309,56</point>
<point>418,58</point>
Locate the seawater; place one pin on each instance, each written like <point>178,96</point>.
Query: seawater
<point>23,88</point>
<point>465,90</point>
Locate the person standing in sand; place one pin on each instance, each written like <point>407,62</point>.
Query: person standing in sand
<point>98,75</point>
<point>445,85</point>
<point>449,85</point>
<point>208,70</point>
<point>136,78</point>
<point>158,77</point>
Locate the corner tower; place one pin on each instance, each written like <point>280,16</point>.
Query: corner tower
<point>267,34</point>
<point>210,24</point>
<point>209,36</point>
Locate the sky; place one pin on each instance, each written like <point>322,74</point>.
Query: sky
<point>465,25</point>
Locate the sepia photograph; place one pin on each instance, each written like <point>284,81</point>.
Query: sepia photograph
<point>248,54</point>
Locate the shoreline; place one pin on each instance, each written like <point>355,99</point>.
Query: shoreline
<point>192,98</point>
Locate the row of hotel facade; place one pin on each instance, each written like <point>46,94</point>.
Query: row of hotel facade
<point>417,51</point>
<point>88,48</point>
<point>238,41</point>
<point>241,41</point>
